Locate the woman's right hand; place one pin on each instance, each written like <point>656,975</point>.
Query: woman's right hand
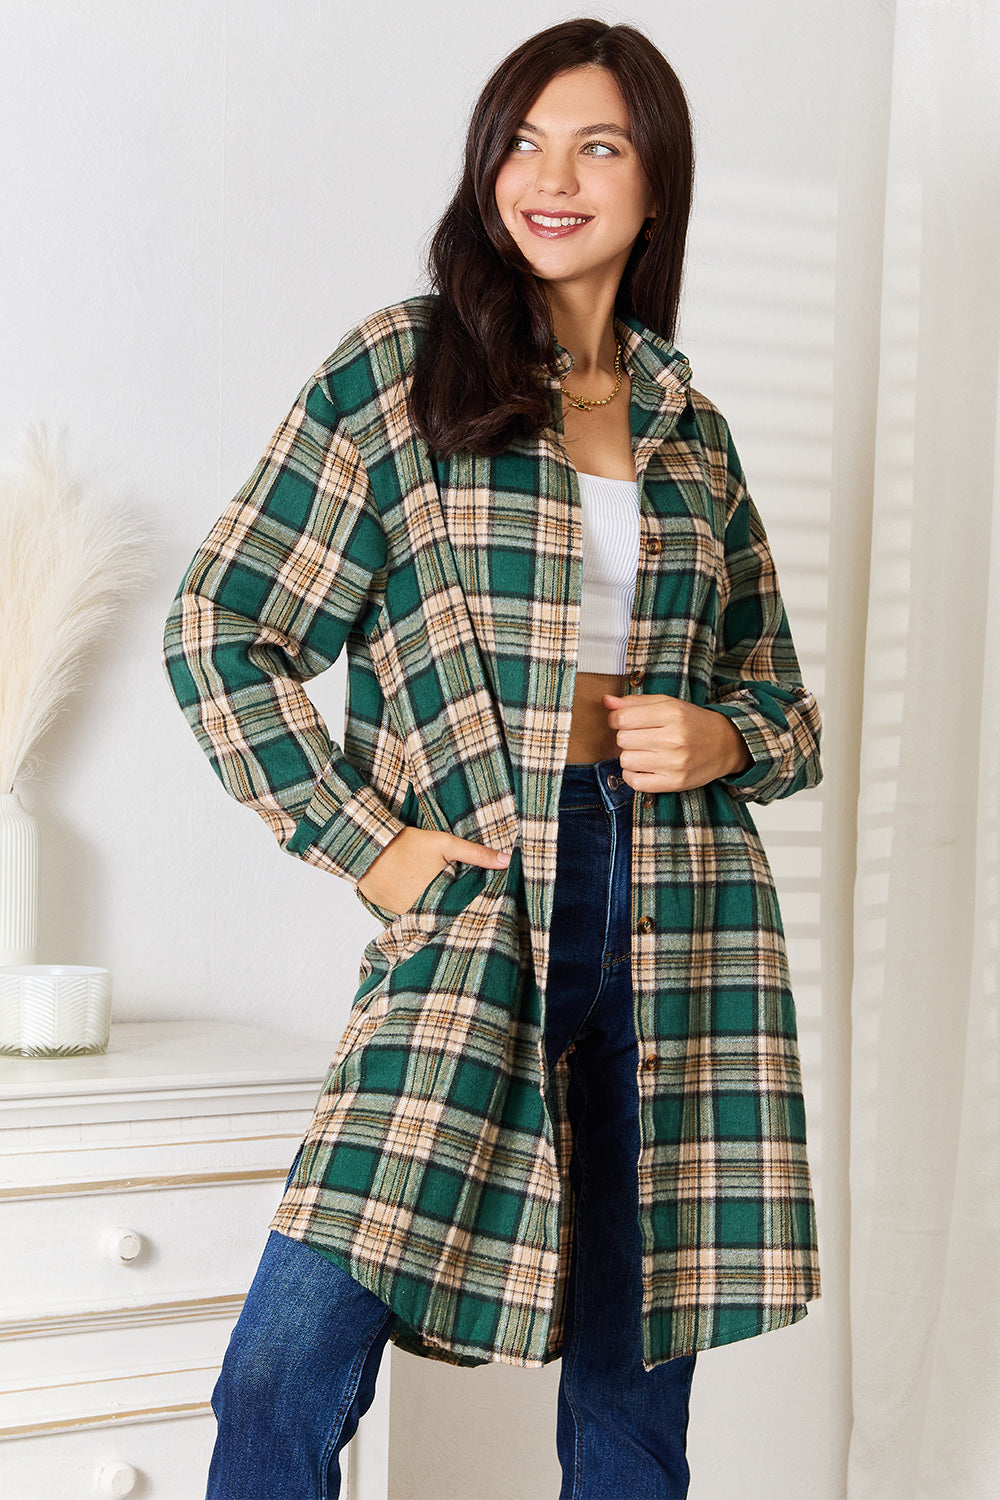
<point>410,861</point>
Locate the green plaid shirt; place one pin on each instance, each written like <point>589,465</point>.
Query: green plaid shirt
<point>436,1168</point>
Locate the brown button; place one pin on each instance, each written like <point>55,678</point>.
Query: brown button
<point>654,546</point>
<point>651,1062</point>
<point>614,782</point>
<point>635,678</point>
<point>645,924</point>
<point>648,799</point>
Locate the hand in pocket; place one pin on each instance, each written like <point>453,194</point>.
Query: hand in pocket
<point>409,862</point>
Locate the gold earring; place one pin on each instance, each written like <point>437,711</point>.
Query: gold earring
<point>649,232</point>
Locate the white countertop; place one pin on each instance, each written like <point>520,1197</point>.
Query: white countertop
<point>209,1060</point>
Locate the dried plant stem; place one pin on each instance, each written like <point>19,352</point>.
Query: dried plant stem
<point>66,564</point>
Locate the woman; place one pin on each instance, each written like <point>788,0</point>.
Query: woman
<point>565,1116</point>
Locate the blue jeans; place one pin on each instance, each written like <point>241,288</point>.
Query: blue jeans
<point>302,1363</point>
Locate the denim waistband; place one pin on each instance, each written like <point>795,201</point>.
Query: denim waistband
<point>583,785</point>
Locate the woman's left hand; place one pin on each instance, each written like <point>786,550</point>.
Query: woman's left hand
<point>667,745</point>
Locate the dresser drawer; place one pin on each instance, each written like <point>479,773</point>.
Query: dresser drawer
<point>150,1438</point>
<point>136,1189</point>
<point>168,1458</point>
<point>91,1252</point>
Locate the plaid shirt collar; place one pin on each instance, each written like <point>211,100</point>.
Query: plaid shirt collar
<point>648,358</point>
<point>659,374</point>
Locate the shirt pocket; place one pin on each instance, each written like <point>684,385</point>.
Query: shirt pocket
<point>427,895</point>
<point>406,932</point>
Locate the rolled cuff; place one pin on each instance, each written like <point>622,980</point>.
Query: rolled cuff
<point>351,836</point>
<point>759,734</point>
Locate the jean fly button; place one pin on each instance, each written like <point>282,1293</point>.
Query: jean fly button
<point>614,782</point>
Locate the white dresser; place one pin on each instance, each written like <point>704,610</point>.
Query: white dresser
<point>136,1191</point>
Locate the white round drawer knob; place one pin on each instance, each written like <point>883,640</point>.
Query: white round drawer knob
<point>115,1479</point>
<point>122,1245</point>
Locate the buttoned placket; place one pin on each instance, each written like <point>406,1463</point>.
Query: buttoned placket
<point>650,549</point>
<point>643,923</point>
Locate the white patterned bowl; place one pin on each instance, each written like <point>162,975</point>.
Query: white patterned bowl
<point>54,1010</point>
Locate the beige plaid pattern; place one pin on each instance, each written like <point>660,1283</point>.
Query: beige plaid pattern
<point>444,582</point>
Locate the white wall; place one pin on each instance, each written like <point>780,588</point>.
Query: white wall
<point>199,200</point>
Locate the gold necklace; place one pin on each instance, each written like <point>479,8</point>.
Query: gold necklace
<point>583,403</point>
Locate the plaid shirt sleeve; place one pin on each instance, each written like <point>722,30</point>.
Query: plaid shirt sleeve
<point>756,679</point>
<point>293,565</point>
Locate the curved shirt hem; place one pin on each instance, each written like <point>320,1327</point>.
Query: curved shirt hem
<point>428,1345</point>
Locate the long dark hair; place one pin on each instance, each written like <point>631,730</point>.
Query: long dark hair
<point>477,376</point>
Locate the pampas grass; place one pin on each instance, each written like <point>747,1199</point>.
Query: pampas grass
<point>67,562</point>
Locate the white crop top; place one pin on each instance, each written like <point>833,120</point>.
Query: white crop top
<point>610,567</point>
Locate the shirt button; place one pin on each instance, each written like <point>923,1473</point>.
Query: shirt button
<point>654,546</point>
<point>648,799</point>
<point>651,1063</point>
<point>635,678</point>
<point>645,924</point>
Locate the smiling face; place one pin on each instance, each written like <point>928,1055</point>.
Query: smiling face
<point>571,189</point>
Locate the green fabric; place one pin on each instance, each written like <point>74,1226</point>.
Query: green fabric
<point>436,1167</point>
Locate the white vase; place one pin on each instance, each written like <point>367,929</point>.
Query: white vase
<point>18,881</point>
